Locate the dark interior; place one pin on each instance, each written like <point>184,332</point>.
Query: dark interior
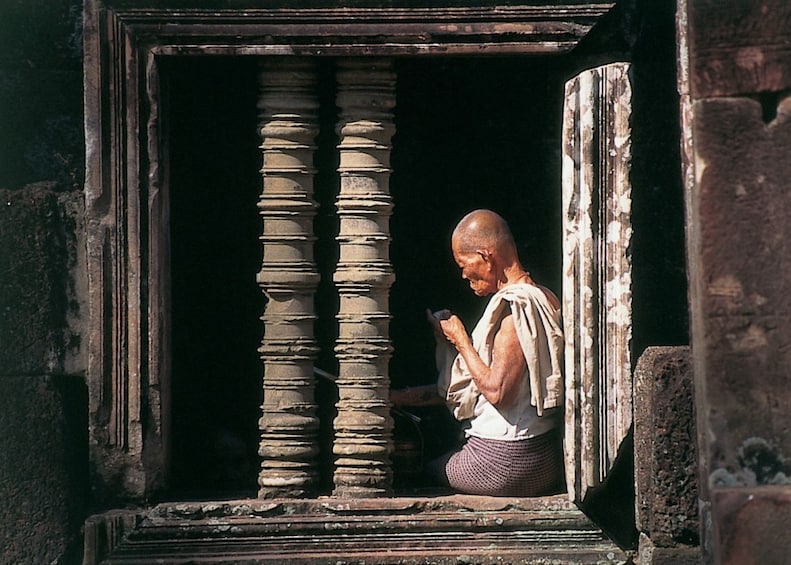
<point>215,255</point>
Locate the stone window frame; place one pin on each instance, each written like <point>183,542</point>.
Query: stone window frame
<point>126,182</point>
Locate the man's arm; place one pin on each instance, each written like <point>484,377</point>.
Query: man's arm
<point>499,383</point>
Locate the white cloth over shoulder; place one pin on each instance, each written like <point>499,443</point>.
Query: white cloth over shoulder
<point>540,334</point>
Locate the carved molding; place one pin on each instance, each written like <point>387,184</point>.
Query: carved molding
<point>126,179</point>
<point>289,426</point>
<point>127,260</point>
<point>597,296</point>
<point>534,27</point>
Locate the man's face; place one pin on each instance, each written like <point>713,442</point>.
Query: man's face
<point>476,269</point>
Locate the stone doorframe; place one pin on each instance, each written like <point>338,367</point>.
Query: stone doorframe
<point>126,178</point>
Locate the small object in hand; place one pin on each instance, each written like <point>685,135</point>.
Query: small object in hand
<point>442,314</point>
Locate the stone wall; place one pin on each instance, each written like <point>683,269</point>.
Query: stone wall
<point>737,140</point>
<point>41,131</point>
<point>43,470</point>
<point>43,399</point>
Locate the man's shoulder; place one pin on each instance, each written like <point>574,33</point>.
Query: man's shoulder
<point>529,294</point>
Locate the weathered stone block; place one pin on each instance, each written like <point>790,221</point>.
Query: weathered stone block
<point>38,283</point>
<point>741,299</point>
<point>41,130</point>
<point>41,34</point>
<point>41,127</point>
<point>665,448</point>
<point>751,524</point>
<point>43,468</point>
<point>739,47</point>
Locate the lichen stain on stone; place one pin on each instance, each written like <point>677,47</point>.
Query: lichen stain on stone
<point>758,299</point>
<point>749,58</point>
<point>699,167</point>
<point>620,315</point>
<point>618,290</point>
<point>764,460</point>
<point>727,287</point>
<point>784,107</point>
<point>760,463</point>
<point>723,478</point>
<point>753,339</point>
<point>625,207</point>
<point>614,231</point>
<point>621,140</point>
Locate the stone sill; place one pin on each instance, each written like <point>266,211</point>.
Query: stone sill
<point>438,529</point>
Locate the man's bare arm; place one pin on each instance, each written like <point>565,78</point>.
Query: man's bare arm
<point>499,383</point>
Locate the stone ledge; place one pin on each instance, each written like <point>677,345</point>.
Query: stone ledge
<point>440,529</point>
<point>650,554</point>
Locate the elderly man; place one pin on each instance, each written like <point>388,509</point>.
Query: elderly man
<point>504,382</point>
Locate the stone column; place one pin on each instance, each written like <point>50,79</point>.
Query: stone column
<point>597,282</point>
<point>288,278</point>
<point>363,426</point>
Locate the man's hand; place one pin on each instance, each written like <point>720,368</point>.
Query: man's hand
<point>454,331</point>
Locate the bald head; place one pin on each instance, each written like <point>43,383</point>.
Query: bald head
<point>484,229</point>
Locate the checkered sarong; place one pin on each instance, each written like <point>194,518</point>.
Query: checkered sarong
<point>529,467</point>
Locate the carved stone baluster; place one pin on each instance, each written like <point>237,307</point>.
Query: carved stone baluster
<point>363,426</point>
<point>288,278</point>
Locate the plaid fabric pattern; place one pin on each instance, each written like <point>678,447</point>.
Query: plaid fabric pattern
<point>531,467</point>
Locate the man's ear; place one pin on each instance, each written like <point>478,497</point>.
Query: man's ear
<point>485,254</point>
